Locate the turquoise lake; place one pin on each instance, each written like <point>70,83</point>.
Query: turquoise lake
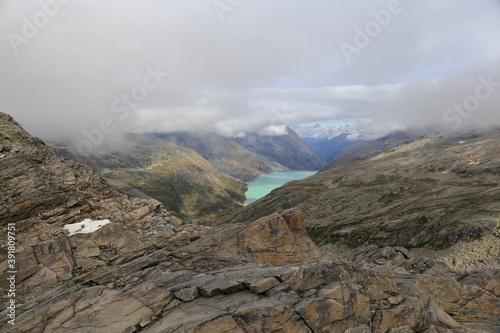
<point>266,183</point>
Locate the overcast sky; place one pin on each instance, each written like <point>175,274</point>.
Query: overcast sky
<point>237,66</point>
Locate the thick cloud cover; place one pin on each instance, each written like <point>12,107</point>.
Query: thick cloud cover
<point>236,65</point>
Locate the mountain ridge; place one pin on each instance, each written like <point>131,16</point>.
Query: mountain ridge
<point>288,150</point>
<point>336,147</point>
<point>179,177</point>
<point>400,190</point>
<point>223,153</point>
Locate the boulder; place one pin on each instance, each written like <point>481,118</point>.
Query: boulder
<point>278,239</point>
<point>264,285</point>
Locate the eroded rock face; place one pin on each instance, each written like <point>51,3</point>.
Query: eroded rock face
<point>181,292</point>
<point>172,290</point>
<point>277,239</point>
<point>41,191</point>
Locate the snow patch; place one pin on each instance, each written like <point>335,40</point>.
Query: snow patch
<point>85,227</point>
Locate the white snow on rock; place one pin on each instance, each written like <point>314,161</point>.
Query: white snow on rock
<point>85,227</point>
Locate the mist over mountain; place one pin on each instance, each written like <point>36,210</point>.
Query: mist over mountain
<point>202,71</point>
<point>250,155</point>
<point>316,133</point>
<point>337,146</point>
<point>288,150</point>
<point>331,142</point>
<point>181,179</point>
<point>223,153</point>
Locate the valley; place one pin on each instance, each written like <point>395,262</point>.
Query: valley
<point>332,142</point>
<point>399,191</point>
<point>179,177</point>
<point>199,176</point>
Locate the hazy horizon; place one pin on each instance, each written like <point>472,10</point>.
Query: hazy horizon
<point>70,67</point>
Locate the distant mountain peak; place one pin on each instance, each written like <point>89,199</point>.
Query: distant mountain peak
<point>288,150</point>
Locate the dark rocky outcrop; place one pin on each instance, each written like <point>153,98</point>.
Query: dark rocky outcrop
<point>277,239</point>
<point>372,290</point>
<point>41,191</point>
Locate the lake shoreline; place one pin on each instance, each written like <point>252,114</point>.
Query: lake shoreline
<point>263,185</point>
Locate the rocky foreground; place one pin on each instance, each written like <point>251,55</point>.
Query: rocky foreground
<point>262,278</point>
<point>149,271</point>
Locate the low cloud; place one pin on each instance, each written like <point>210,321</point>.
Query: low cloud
<point>264,65</point>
